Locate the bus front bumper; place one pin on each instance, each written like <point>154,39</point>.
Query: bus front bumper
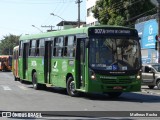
<point>97,86</point>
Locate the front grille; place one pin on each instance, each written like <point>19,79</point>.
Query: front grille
<point>116,81</point>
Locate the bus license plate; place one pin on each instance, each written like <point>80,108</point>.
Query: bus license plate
<point>117,87</point>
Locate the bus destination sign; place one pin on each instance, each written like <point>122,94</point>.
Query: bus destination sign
<point>103,31</point>
<point>109,31</point>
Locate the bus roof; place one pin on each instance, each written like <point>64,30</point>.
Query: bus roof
<point>64,32</point>
<point>16,47</point>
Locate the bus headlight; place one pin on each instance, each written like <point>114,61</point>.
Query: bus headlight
<point>92,75</point>
<point>138,77</point>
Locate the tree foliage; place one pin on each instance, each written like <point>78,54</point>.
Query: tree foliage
<point>8,43</point>
<point>122,12</point>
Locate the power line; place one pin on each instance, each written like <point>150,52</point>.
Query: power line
<point>130,4</point>
<point>140,15</point>
<point>63,9</point>
<point>117,4</point>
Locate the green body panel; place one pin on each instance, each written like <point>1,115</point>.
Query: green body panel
<point>58,72</point>
<point>55,33</point>
<point>37,65</point>
<point>34,64</point>
<point>62,68</point>
<point>20,66</point>
<point>105,84</point>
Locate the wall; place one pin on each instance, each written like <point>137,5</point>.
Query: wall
<point>147,31</point>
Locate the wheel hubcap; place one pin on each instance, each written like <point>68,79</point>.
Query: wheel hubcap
<point>72,87</point>
<point>34,85</point>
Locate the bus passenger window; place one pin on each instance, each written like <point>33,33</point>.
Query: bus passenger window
<point>56,47</point>
<point>59,50</point>
<point>33,46</point>
<point>20,48</point>
<point>71,46</point>
<point>65,46</point>
<point>41,47</point>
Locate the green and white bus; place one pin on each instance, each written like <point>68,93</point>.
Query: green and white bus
<point>95,59</point>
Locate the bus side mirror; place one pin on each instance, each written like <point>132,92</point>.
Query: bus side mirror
<point>87,42</point>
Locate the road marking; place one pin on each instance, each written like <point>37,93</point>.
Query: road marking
<point>23,87</point>
<point>6,88</point>
<point>150,92</point>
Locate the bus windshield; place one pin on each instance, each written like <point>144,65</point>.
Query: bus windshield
<point>114,54</point>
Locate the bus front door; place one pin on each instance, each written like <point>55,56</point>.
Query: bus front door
<point>47,61</point>
<point>25,59</point>
<point>80,55</point>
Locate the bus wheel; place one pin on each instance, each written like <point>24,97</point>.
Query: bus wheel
<point>34,81</point>
<point>71,87</point>
<point>21,81</point>
<point>114,94</point>
<point>15,79</point>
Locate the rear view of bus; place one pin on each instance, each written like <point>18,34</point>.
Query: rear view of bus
<point>114,60</point>
<point>5,62</point>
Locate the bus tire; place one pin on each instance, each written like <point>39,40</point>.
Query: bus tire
<point>71,87</point>
<point>21,81</point>
<point>114,94</point>
<point>36,86</point>
<point>15,79</point>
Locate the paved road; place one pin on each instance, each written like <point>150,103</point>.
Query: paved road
<point>15,96</point>
<point>154,91</point>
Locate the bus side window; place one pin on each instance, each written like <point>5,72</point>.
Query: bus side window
<point>65,46</point>
<point>60,48</point>
<point>55,44</point>
<point>71,46</point>
<point>41,47</point>
<point>30,47</point>
<point>33,47</point>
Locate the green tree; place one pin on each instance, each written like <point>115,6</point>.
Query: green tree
<point>122,12</point>
<point>8,43</point>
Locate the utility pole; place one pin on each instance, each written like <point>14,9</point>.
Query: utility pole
<point>78,2</point>
<point>50,26</point>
